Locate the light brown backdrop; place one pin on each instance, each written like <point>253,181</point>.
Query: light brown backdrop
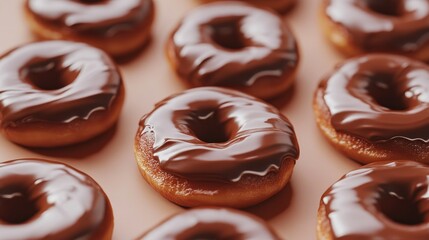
<point>148,78</point>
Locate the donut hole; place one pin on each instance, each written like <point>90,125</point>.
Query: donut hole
<point>15,205</point>
<point>227,34</point>
<point>385,93</point>
<point>387,7</point>
<point>48,75</point>
<point>207,127</point>
<point>400,208</point>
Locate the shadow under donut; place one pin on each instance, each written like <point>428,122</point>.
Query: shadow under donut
<point>283,99</point>
<point>79,150</point>
<point>273,206</point>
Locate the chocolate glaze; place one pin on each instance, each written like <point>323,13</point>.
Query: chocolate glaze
<point>397,26</point>
<point>281,6</point>
<point>55,81</point>
<point>215,134</point>
<point>100,17</point>
<point>384,200</point>
<point>233,44</point>
<point>379,97</point>
<point>46,200</point>
<point>211,223</point>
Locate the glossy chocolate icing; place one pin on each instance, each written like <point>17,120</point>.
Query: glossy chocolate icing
<point>384,200</point>
<point>46,200</point>
<point>212,223</point>
<point>100,17</point>
<point>232,44</point>
<point>280,6</point>
<point>396,26</point>
<point>55,81</point>
<point>379,97</point>
<point>215,134</point>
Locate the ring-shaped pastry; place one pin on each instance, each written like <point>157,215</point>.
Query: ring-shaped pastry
<point>41,199</point>
<point>235,45</point>
<point>376,107</point>
<point>56,93</point>
<point>383,200</point>
<point>214,146</point>
<point>374,26</point>
<point>119,27</point>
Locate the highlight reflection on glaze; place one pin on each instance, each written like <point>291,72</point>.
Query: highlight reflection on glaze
<point>397,26</point>
<point>46,200</point>
<point>379,97</point>
<point>55,81</point>
<point>384,200</point>
<point>233,44</point>
<point>98,17</point>
<point>218,135</point>
<point>212,223</point>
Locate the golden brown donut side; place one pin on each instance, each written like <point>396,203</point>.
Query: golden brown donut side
<point>246,192</point>
<point>323,230</point>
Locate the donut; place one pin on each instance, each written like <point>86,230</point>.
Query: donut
<point>211,146</point>
<point>356,27</point>
<point>119,27</point>
<point>382,200</point>
<point>212,223</point>
<point>234,45</point>
<point>40,199</point>
<point>376,107</point>
<point>56,93</point>
<point>281,6</point>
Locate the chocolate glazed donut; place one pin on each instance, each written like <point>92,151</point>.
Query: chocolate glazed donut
<point>45,200</point>
<point>389,26</point>
<point>214,146</point>
<point>376,107</point>
<point>235,45</point>
<point>384,201</point>
<point>211,223</point>
<point>56,93</point>
<point>117,26</point>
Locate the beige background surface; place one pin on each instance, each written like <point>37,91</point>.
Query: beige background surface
<point>148,78</point>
